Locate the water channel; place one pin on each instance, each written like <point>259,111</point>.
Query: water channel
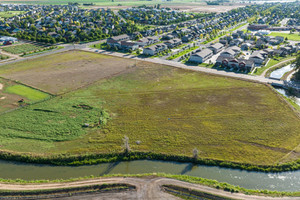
<point>280,72</point>
<point>285,181</point>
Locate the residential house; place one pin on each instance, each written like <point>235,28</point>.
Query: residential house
<point>216,48</point>
<point>257,57</point>
<point>201,56</point>
<point>237,64</point>
<point>128,45</point>
<point>173,43</point>
<point>246,46</point>
<point>154,49</point>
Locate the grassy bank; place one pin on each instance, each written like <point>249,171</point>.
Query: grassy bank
<point>91,159</point>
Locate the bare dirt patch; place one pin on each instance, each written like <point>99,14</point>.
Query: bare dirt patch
<point>58,73</point>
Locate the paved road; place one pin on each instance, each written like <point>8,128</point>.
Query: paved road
<point>194,68</point>
<point>147,188</point>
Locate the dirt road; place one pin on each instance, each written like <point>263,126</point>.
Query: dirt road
<point>147,188</point>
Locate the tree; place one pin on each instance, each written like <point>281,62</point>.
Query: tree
<point>126,144</point>
<point>297,62</point>
<point>53,41</point>
<point>195,153</point>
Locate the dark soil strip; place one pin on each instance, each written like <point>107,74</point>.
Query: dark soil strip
<point>191,194</point>
<point>65,192</point>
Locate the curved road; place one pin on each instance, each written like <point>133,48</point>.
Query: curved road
<point>278,64</point>
<point>146,188</point>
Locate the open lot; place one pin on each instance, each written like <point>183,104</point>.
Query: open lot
<point>59,73</point>
<point>168,110</point>
<point>22,48</point>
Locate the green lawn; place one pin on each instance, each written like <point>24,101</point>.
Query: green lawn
<point>29,93</point>
<point>182,53</point>
<point>294,36</point>
<point>22,48</point>
<point>10,14</point>
<point>168,110</point>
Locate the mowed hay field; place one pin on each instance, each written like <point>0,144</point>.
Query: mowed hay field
<point>63,72</point>
<point>168,110</point>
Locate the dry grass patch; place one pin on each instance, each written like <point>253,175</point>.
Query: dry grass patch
<point>59,73</point>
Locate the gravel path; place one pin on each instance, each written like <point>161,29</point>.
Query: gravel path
<point>146,188</point>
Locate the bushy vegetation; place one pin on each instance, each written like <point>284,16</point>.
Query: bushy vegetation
<point>53,120</point>
<point>3,57</point>
<point>22,48</point>
<point>297,63</point>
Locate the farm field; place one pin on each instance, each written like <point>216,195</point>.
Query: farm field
<point>168,110</point>
<point>22,48</point>
<point>293,37</point>
<point>11,93</point>
<point>63,72</point>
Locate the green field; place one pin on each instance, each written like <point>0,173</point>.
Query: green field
<point>10,14</point>
<point>168,110</point>
<point>11,92</point>
<point>27,92</point>
<point>22,48</point>
<point>294,36</point>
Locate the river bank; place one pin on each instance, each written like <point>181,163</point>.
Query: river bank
<point>15,172</point>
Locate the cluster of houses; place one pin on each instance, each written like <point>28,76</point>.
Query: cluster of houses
<point>158,16</point>
<point>244,51</point>
<point>66,23</point>
<point>257,27</point>
<point>125,42</point>
<point>5,40</point>
<point>16,7</point>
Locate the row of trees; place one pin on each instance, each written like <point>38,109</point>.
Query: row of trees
<point>297,63</point>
